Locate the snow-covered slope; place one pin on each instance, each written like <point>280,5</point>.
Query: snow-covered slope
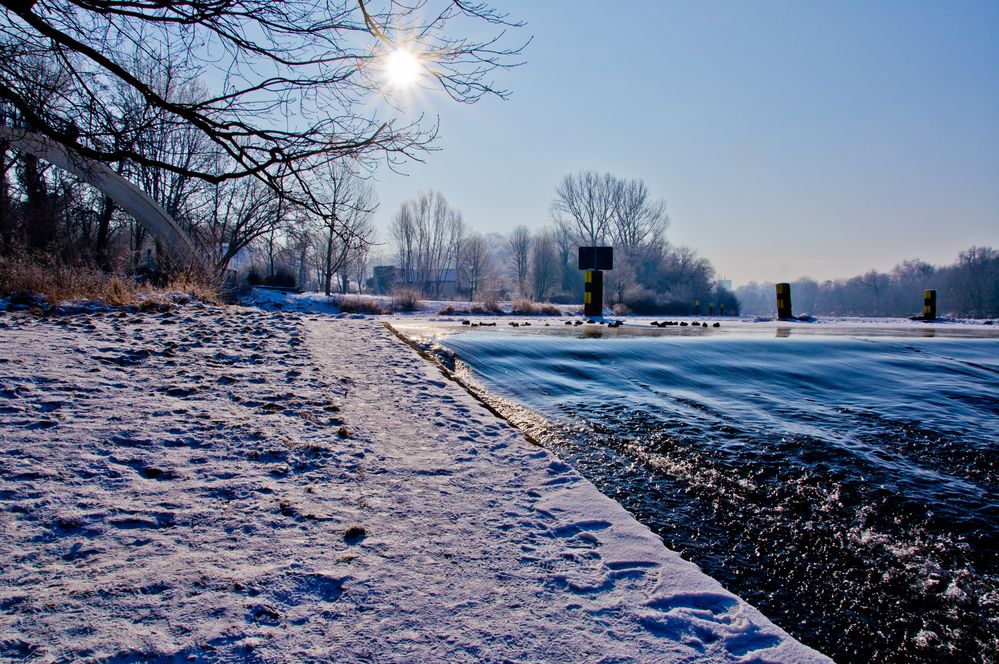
<point>232,484</point>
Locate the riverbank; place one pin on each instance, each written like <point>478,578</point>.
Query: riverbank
<point>230,483</point>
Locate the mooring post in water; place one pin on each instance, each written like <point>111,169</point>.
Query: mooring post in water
<point>929,305</point>
<point>784,301</point>
<point>593,294</point>
<point>711,308</point>
<point>594,260</point>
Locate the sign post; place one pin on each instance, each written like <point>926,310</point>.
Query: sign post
<point>594,260</point>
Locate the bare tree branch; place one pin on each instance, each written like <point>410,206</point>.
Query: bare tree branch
<point>294,86</point>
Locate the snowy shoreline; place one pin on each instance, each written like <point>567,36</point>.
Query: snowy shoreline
<point>232,484</point>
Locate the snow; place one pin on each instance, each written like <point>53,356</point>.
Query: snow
<point>316,302</point>
<point>234,483</point>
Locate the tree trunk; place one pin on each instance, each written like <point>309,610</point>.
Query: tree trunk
<point>328,272</point>
<point>302,268</point>
<point>6,217</point>
<point>104,235</point>
<point>39,222</point>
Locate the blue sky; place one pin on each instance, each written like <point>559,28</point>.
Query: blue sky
<point>788,138</point>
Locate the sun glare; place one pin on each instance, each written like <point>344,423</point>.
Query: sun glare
<point>402,68</point>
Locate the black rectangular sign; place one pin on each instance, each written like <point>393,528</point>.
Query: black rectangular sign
<point>596,258</point>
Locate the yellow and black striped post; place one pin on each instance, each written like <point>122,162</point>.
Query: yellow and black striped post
<point>784,301</point>
<point>721,309</point>
<point>593,293</point>
<point>929,305</point>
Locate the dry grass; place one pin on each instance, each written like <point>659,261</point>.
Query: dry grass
<point>621,309</point>
<point>524,307</point>
<point>199,288</point>
<point>488,308</point>
<point>490,303</point>
<point>353,304</point>
<point>406,299</point>
<point>58,282</point>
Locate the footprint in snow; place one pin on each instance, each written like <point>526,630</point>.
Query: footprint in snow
<point>706,618</point>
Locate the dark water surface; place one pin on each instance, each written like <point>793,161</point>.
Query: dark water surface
<point>845,486</point>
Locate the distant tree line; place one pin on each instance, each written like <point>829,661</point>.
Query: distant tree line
<point>969,287</point>
<point>650,275</point>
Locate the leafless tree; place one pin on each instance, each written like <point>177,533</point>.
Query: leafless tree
<point>358,237</point>
<point>428,233</point>
<point>404,234</point>
<point>357,262</point>
<point>591,209</point>
<point>638,232</point>
<point>564,238</point>
<point>184,197</point>
<point>621,281</point>
<point>298,83</point>
<point>7,161</point>
<point>475,263</point>
<point>637,221</point>
<point>585,201</point>
<point>520,255</point>
<point>544,273</point>
<point>347,225</point>
<point>976,281</point>
<point>181,145</point>
<point>685,275</point>
<point>239,213</point>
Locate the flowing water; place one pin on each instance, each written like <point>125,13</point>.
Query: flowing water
<point>845,485</point>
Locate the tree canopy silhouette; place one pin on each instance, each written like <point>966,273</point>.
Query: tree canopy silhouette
<point>286,87</point>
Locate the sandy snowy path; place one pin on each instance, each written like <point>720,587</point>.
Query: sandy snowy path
<point>183,484</point>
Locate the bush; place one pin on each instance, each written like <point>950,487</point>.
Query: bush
<point>548,309</point>
<point>195,286</point>
<point>621,309</point>
<point>490,303</point>
<point>524,307</point>
<point>360,305</point>
<point>406,299</point>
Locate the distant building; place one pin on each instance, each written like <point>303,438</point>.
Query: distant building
<point>384,277</point>
<point>447,287</point>
<point>725,284</point>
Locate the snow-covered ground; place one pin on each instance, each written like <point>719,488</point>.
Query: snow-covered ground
<point>237,484</point>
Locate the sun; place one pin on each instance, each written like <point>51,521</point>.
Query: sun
<point>403,68</point>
